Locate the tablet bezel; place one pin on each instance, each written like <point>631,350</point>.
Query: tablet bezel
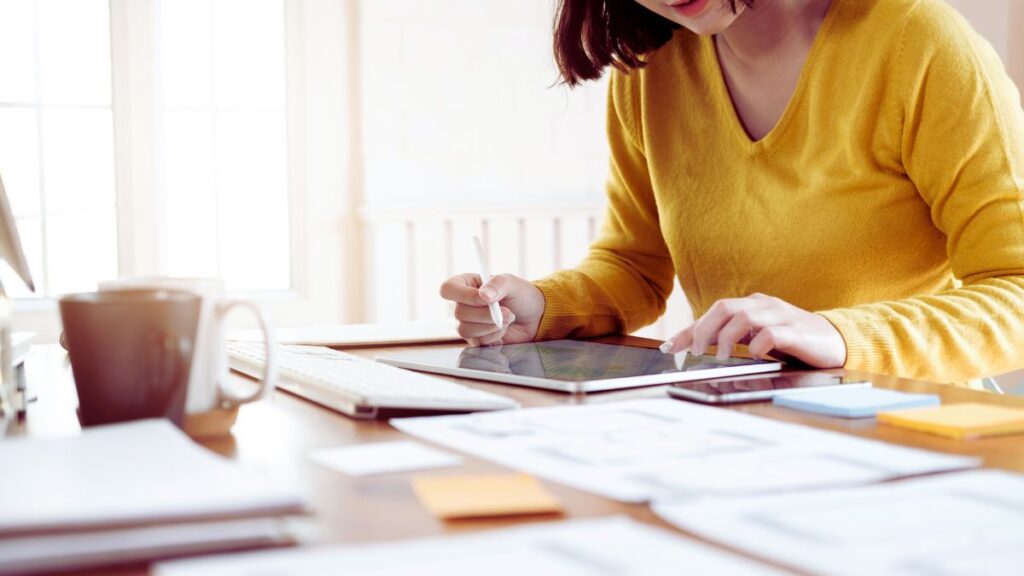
<point>399,359</point>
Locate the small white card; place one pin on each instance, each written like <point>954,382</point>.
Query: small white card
<point>383,458</point>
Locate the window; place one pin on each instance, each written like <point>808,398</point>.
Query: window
<point>56,139</point>
<point>177,137</point>
<point>224,145</point>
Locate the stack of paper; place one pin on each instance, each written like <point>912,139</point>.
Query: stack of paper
<point>854,402</point>
<point>606,547</point>
<point>953,524</point>
<point>129,492</point>
<point>959,421</point>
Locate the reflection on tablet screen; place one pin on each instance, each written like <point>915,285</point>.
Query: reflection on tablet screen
<point>578,361</point>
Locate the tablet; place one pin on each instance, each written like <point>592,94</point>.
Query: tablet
<point>572,365</point>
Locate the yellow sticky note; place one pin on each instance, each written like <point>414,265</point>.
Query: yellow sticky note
<point>959,421</point>
<point>451,497</point>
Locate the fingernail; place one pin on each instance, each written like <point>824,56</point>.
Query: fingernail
<point>666,346</point>
<point>511,317</point>
<point>488,293</point>
<point>722,355</point>
<point>695,350</point>
<point>472,341</point>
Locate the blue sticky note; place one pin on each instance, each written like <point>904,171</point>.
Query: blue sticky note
<point>854,402</point>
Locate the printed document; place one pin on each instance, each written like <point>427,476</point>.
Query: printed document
<point>951,525</point>
<point>645,450</point>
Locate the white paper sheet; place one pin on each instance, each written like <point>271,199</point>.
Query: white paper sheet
<point>48,552</point>
<point>138,472</point>
<point>385,334</point>
<point>383,458</point>
<point>648,449</point>
<point>954,524</point>
<point>605,547</point>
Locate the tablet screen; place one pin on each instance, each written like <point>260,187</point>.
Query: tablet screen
<point>578,361</point>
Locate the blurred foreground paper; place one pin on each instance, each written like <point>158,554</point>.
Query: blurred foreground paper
<point>604,547</point>
<point>952,524</point>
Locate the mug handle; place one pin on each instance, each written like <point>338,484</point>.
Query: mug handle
<point>266,383</point>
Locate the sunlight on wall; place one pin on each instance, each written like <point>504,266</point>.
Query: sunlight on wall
<point>459,105</point>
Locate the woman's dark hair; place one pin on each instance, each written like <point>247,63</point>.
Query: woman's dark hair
<point>590,35</point>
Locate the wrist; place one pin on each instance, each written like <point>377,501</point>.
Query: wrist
<point>836,346</point>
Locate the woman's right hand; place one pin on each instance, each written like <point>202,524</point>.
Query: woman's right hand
<point>522,306</point>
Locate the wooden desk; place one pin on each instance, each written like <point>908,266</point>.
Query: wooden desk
<point>277,433</point>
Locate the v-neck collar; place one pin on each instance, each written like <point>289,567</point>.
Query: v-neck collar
<point>724,97</point>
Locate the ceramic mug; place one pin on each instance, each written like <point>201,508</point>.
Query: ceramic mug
<point>209,388</point>
<point>131,352</point>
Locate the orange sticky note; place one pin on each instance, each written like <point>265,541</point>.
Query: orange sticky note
<point>475,496</point>
<point>959,421</point>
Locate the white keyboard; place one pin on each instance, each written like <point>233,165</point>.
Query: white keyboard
<point>360,387</point>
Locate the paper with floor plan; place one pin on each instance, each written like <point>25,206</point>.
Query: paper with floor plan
<point>954,524</point>
<point>643,450</point>
<point>605,547</point>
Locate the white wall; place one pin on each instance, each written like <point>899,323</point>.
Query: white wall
<point>458,104</point>
<point>1002,23</point>
<point>990,18</point>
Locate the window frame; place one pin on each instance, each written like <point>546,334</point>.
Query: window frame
<point>320,41</point>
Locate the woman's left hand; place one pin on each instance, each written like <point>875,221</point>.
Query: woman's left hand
<point>765,324</point>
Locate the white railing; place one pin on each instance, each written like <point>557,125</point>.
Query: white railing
<point>411,251</point>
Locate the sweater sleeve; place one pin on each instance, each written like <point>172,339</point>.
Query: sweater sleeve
<point>962,146</point>
<point>626,277</point>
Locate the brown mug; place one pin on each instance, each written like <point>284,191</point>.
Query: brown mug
<point>131,352</point>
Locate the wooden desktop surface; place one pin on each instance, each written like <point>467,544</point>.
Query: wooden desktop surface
<point>277,434</point>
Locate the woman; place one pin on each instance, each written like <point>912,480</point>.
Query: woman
<point>838,181</point>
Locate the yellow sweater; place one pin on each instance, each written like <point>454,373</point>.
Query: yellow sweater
<point>888,198</point>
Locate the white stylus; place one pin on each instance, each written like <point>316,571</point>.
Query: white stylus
<point>485,277</point>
